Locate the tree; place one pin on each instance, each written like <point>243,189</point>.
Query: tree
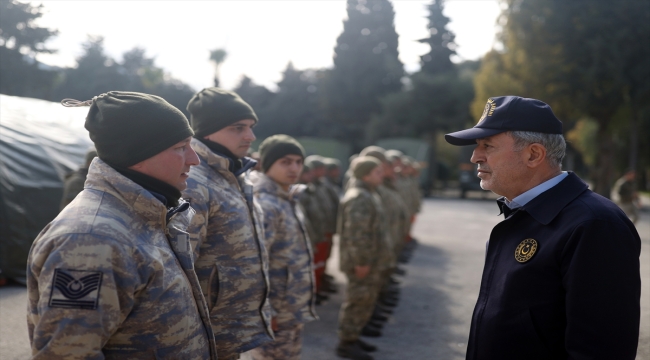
<point>584,59</point>
<point>97,73</point>
<point>20,41</point>
<point>295,108</point>
<point>217,56</point>
<point>440,41</point>
<point>366,68</point>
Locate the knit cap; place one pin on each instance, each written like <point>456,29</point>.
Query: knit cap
<point>314,161</point>
<point>276,147</point>
<point>374,151</point>
<point>212,109</point>
<point>129,127</point>
<point>363,165</point>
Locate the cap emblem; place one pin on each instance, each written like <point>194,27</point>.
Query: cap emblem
<point>525,250</point>
<point>488,110</point>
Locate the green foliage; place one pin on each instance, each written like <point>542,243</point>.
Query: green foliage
<point>97,73</point>
<point>583,58</point>
<point>440,41</point>
<point>366,68</point>
<point>20,41</point>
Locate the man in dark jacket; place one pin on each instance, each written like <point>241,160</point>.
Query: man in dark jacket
<point>561,277</point>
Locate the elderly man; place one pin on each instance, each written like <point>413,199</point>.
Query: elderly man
<point>227,234</point>
<point>561,277</point>
<point>112,276</point>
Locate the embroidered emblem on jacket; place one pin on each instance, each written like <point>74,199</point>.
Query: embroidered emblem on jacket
<point>77,289</point>
<point>525,250</point>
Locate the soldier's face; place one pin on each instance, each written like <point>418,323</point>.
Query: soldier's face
<point>500,168</point>
<point>236,137</point>
<point>375,177</point>
<point>286,170</point>
<point>172,165</point>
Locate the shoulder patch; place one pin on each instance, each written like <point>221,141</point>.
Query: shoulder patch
<point>75,289</point>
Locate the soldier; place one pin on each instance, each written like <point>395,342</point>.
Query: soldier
<point>227,235</point>
<point>333,173</point>
<point>326,204</point>
<point>291,272</point>
<point>396,215</point>
<point>362,235</point>
<point>74,182</point>
<point>112,276</point>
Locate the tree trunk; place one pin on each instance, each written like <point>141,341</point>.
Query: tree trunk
<point>604,168</point>
<point>432,157</point>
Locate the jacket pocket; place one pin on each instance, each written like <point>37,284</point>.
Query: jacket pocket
<point>213,288</point>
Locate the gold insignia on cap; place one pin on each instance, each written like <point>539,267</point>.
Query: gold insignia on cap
<point>525,250</point>
<point>488,110</point>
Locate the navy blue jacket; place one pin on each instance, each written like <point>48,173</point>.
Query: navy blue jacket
<point>577,297</point>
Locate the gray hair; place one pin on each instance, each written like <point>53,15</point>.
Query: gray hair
<point>554,144</point>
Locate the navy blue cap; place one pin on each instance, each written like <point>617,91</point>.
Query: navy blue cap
<point>509,113</point>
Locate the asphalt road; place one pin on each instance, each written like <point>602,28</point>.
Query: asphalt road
<point>438,293</point>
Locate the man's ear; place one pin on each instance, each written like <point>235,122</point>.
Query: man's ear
<point>536,155</point>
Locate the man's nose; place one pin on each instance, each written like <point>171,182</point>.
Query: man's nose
<point>477,156</point>
<point>250,135</point>
<point>192,158</point>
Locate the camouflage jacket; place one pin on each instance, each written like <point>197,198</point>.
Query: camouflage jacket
<point>231,261</point>
<point>403,186</point>
<point>362,229</point>
<point>328,204</point>
<point>313,213</point>
<point>290,255</point>
<point>72,186</point>
<point>397,217</point>
<point>110,278</point>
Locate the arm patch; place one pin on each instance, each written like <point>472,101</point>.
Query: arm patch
<point>75,289</point>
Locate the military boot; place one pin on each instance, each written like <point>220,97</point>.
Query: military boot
<point>352,350</point>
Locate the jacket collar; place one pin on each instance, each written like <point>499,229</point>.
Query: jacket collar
<point>266,185</point>
<point>104,178</point>
<point>547,205</point>
<point>220,161</point>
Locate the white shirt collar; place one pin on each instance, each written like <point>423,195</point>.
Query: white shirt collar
<point>529,195</point>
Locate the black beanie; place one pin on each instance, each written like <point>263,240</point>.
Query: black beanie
<point>212,109</point>
<point>129,127</point>
<point>276,147</point>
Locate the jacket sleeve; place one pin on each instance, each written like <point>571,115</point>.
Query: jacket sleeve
<point>80,289</point>
<point>275,241</point>
<point>358,224</point>
<point>601,278</point>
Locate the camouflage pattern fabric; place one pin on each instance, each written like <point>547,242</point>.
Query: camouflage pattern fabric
<point>313,213</point>
<point>231,261</point>
<point>109,278</point>
<point>397,220</point>
<point>362,229</point>
<point>290,256</point>
<point>287,346</point>
<point>359,304</point>
<point>72,186</point>
<point>328,205</point>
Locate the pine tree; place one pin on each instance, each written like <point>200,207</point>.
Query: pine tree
<point>440,40</point>
<point>20,41</point>
<point>366,67</point>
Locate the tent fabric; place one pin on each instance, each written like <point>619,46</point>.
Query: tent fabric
<point>40,143</point>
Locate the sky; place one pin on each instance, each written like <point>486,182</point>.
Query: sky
<point>260,37</point>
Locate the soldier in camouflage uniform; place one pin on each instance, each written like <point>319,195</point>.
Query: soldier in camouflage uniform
<point>73,184</point>
<point>326,206</point>
<point>112,276</point>
<point>396,215</point>
<point>227,233</point>
<point>291,271</point>
<point>362,238</point>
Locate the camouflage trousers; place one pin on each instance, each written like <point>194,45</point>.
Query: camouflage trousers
<point>287,345</point>
<point>359,304</point>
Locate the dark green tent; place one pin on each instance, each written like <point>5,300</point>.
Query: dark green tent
<point>40,142</point>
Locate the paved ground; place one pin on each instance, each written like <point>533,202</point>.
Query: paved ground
<point>439,291</point>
